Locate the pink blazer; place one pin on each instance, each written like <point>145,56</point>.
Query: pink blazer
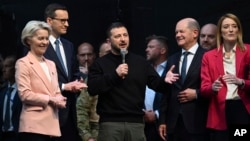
<point>211,69</point>
<point>34,89</point>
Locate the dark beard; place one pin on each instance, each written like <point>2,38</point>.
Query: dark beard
<point>115,49</point>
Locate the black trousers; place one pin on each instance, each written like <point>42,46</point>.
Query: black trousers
<point>151,132</point>
<point>236,114</point>
<point>34,137</point>
<point>181,133</point>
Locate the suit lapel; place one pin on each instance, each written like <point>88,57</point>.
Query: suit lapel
<point>16,102</point>
<point>67,55</point>
<point>51,54</point>
<point>196,60</point>
<point>39,71</point>
<point>219,62</point>
<point>176,70</point>
<point>239,56</point>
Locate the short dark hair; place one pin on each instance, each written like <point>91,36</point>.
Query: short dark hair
<point>51,8</point>
<point>162,39</point>
<point>114,25</point>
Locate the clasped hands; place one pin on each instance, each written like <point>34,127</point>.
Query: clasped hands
<point>229,79</point>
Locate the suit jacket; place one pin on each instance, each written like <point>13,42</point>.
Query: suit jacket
<point>34,89</point>
<point>194,113</point>
<point>16,109</point>
<point>64,78</point>
<point>158,96</point>
<point>210,71</point>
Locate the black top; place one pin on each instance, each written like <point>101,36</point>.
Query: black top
<point>122,100</point>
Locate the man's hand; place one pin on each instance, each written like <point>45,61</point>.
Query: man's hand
<point>122,70</point>
<point>163,131</point>
<point>187,95</point>
<point>149,116</point>
<point>75,86</point>
<point>170,76</point>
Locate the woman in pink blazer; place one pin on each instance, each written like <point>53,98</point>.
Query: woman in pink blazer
<point>226,79</point>
<point>37,85</point>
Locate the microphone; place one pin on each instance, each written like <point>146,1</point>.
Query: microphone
<point>123,52</point>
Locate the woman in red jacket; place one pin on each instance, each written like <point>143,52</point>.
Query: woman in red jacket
<point>225,75</point>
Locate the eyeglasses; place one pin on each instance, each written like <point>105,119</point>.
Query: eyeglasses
<point>63,21</point>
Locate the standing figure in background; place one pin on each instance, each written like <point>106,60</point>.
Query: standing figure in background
<point>183,111</point>
<point>38,89</point>
<point>208,36</point>
<point>226,79</point>
<point>61,51</point>
<point>104,49</point>
<point>156,51</point>
<point>87,118</point>
<point>9,132</point>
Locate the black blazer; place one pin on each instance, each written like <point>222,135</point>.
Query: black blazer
<point>194,113</point>
<point>64,78</point>
<point>16,109</point>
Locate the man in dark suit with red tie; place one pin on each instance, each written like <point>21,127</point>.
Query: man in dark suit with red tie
<point>10,104</point>
<point>183,112</point>
<point>61,51</point>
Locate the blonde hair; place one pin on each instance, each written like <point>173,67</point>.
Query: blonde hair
<point>240,42</point>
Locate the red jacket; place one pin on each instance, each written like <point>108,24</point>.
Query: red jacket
<point>211,69</point>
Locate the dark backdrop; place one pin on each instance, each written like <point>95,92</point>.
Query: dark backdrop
<point>90,18</point>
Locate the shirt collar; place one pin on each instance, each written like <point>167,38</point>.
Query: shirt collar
<point>192,50</point>
<point>14,86</point>
<point>161,66</point>
<point>52,40</point>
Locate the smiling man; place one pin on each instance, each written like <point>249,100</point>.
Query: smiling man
<point>121,88</point>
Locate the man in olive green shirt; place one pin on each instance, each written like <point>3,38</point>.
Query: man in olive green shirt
<point>87,118</point>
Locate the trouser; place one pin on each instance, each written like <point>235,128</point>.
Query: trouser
<point>121,131</point>
<point>181,133</point>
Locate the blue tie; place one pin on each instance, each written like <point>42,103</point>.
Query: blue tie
<point>184,67</point>
<point>58,53</point>
<point>7,118</point>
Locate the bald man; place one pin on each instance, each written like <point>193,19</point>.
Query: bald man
<point>183,112</point>
<point>87,118</point>
<point>85,56</point>
<point>104,49</point>
<point>208,36</point>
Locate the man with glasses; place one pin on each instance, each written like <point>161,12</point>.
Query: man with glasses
<point>61,51</point>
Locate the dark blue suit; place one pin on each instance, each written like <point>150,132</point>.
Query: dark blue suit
<point>67,116</point>
<point>16,109</point>
<point>192,113</point>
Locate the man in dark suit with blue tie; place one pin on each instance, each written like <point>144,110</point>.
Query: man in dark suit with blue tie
<point>183,112</point>
<point>61,51</point>
<point>10,104</point>
<point>156,53</point>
